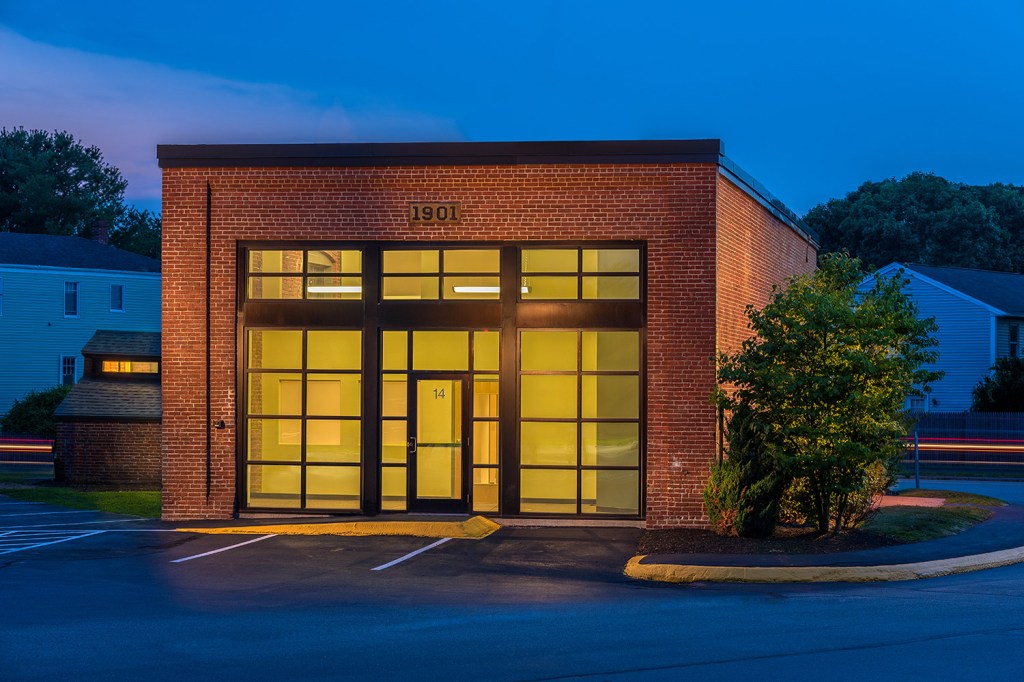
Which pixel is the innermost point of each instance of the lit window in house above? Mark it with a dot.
(130, 367)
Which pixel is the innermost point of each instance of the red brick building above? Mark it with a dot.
(517, 329)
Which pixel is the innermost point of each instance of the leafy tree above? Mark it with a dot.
(826, 376)
(926, 219)
(33, 414)
(51, 183)
(1003, 391)
(137, 231)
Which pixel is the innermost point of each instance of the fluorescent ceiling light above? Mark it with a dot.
(484, 290)
(335, 290)
(477, 290)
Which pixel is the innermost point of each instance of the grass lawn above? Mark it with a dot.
(135, 502)
(34, 483)
(954, 497)
(917, 524)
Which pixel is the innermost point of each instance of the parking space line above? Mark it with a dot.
(410, 555)
(223, 549)
(78, 536)
(75, 523)
(80, 511)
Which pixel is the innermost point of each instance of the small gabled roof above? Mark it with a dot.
(1003, 291)
(113, 400)
(123, 344)
(70, 252)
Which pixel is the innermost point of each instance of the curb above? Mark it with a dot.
(679, 573)
(475, 528)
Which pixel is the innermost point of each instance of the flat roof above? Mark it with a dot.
(349, 154)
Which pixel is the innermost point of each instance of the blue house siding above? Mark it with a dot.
(35, 334)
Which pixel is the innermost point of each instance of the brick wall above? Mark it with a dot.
(755, 250)
(671, 207)
(106, 453)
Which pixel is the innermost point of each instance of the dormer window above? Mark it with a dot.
(130, 367)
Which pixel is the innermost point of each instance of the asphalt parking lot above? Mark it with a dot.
(93, 596)
(511, 565)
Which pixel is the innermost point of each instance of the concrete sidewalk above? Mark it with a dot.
(999, 541)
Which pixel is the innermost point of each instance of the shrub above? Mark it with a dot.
(743, 494)
(33, 414)
(1004, 390)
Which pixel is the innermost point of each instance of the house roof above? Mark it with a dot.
(1001, 290)
(119, 400)
(70, 252)
(127, 344)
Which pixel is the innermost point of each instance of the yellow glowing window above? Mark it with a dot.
(566, 274)
(130, 367)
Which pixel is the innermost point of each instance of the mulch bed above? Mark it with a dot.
(787, 540)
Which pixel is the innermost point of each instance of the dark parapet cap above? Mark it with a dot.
(437, 153)
(112, 343)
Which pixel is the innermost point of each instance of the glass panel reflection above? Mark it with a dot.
(550, 491)
(610, 492)
(332, 487)
(273, 485)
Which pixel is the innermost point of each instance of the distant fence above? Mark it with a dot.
(25, 450)
(968, 444)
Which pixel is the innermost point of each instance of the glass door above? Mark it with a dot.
(438, 444)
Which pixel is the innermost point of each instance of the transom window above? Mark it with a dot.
(449, 274)
(574, 273)
(305, 274)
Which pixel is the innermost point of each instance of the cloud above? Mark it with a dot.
(126, 107)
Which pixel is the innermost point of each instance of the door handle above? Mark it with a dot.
(412, 445)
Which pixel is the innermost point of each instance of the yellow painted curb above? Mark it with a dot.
(475, 528)
(676, 573)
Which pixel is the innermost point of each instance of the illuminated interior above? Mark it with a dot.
(130, 367)
(426, 431)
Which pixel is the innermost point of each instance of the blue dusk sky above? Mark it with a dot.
(811, 98)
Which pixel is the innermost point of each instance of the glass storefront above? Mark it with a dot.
(495, 378)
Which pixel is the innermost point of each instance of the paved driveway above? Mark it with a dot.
(524, 604)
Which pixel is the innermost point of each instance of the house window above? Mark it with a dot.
(68, 369)
(117, 298)
(1014, 338)
(1, 296)
(70, 299)
(130, 367)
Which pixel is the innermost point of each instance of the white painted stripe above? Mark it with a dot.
(84, 534)
(4, 504)
(224, 549)
(81, 511)
(7, 532)
(410, 555)
(76, 523)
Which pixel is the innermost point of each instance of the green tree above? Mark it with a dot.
(33, 414)
(1003, 391)
(51, 183)
(923, 218)
(826, 376)
(137, 231)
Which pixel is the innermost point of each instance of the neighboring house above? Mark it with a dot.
(108, 427)
(980, 315)
(55, 292)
